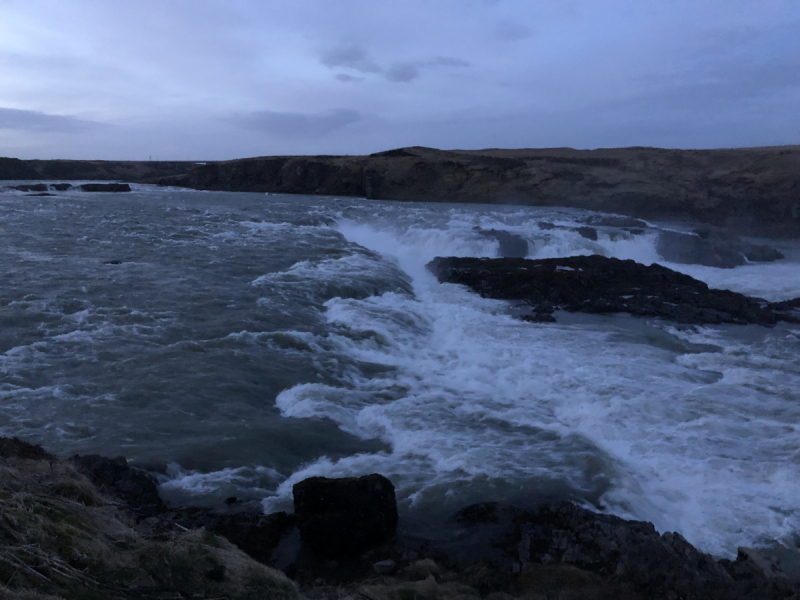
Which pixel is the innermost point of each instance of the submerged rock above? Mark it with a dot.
(511, 244)
(596, 284)
(712, 248)
(105, 187)
(31, 187)
(340, 518)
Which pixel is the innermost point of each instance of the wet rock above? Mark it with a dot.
(630, 551)
(590, 233)
(105, 187)
(138, 489)
(511, 244)
(713, 248)
(599, 285)
(385, 567)
(545, 225)
(34, 187)
(345, 517)
(40, 194)
(60, 187)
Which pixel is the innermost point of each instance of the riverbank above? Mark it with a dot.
(751, 191)
(89, 528)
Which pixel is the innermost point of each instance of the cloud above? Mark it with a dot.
(349, 56)
(297, 124)
(445, 61)
(511, 31)
(32, 120)
(402, 72)
(345, 78)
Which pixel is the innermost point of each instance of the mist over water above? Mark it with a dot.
(238, 343)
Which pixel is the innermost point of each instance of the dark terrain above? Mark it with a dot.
(753, 191)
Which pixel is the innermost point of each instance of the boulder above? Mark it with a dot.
(590, 233)
(105, 187)
(137, 488)
(600, 285)
(342, 518)
(60, 187)
(616, 221)
(511, 244)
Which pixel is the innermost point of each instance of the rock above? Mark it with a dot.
(35, 187)
(545, 225)
(629, 551)
(113, 475)
(590, 233)
(345, 517)
(105, 187)
(385, 567)
(40, 194)
(60, 187)
(712, 248)
(599, 285)
(511, 244)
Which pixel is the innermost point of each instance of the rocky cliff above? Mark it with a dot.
(94, 170)
(752, 190)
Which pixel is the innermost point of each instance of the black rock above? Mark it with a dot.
(342, 518)
(590, 233)
(40, 194)
(137, 488)
(596, 284)
(511, 244)
(545, 225)
(105, 187)
(615, 221)
(61, 187)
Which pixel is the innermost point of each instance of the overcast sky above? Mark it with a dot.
(217, 79)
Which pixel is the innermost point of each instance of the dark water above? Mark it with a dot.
(237, 343)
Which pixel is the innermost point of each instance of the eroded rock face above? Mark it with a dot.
(341, 518)
(596, 284)
(712, 248)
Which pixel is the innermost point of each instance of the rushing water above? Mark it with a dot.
(238, 343)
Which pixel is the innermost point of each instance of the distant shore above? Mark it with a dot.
(752, 191)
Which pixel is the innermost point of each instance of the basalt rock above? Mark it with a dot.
(35, 187)
(60, 187)
(340, 518)
(138, 489)
(600, 285)
(105, 187)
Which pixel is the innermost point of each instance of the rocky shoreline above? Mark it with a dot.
(94, 527)
(751, 191)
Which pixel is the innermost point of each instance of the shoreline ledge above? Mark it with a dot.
(94, 527)
(750, 191)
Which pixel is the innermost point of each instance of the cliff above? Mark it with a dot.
(752, 191)
(92, 170)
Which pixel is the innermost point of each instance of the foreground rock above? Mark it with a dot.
(600, 285)
(345, 517)
(61, 538)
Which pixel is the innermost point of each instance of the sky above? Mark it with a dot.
(221, 79)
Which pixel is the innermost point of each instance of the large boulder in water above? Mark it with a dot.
(596, 284)
(105, 187)
(511, 244)
(342, 518)
(713, 248)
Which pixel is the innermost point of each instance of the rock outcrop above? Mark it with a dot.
(600, 285)
(712, 247)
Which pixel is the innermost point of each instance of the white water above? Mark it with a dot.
(695, 430)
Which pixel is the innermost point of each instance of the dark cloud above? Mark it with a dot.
(297, 124)
(345, 78)
(32, 120)
(350, 56)
(445, 61)
(402, 72)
